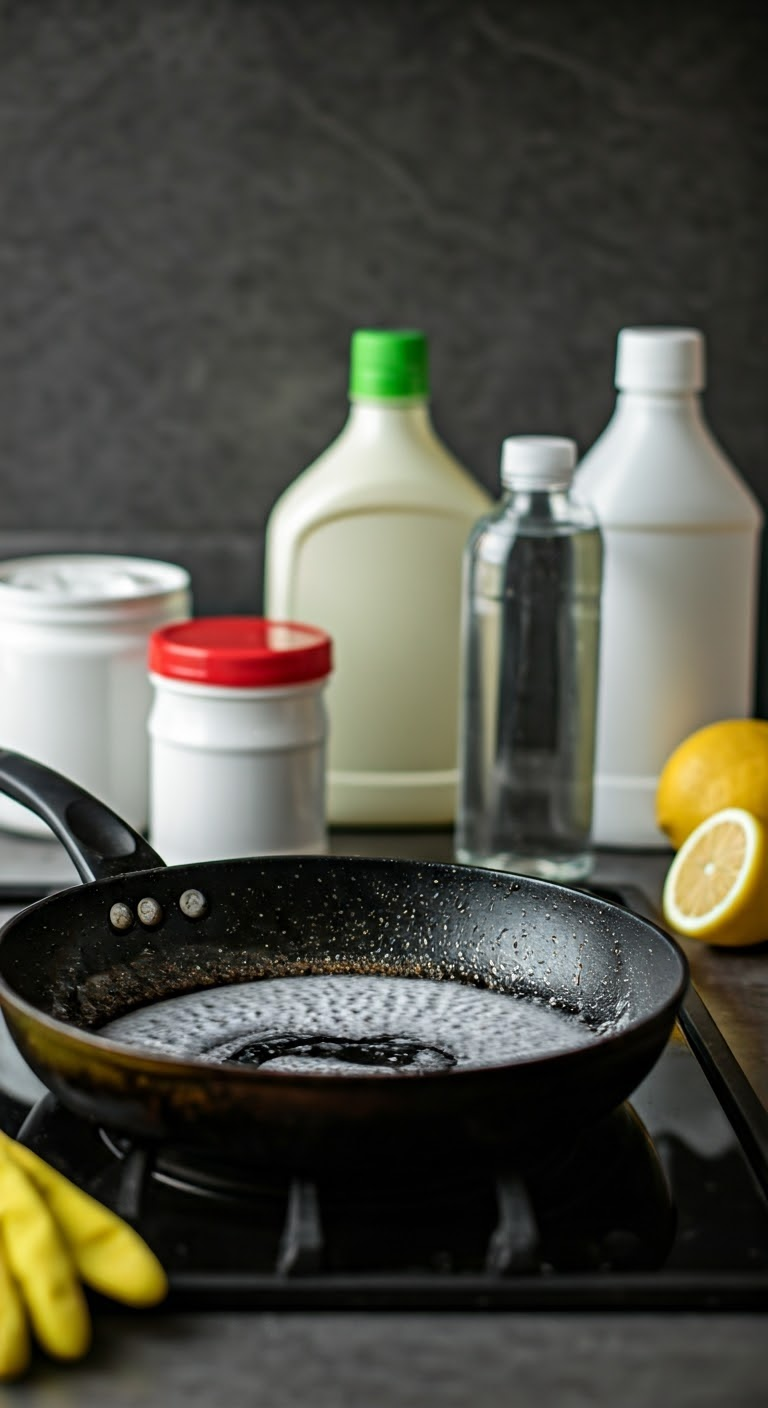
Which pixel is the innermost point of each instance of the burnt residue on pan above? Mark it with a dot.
(445, 927)
(326, 1024)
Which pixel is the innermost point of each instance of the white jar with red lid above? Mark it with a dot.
(237, 738)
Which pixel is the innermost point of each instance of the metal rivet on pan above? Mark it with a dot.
(194, 904)
(121, 916)
(150, 913)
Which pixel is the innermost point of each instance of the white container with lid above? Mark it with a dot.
(238, 732)
(368, 542)
(73, 685)
(681, 534)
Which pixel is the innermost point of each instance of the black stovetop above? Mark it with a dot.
(662, 1204)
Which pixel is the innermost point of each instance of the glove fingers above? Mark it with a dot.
(42, 1267)
(110, 1256)
(14, 1330)
(122, 1266)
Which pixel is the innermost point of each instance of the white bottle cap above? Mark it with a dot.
(537, 462)
(660, 359)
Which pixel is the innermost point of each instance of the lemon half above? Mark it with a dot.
(717, 885)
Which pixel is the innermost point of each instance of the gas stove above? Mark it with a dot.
(662, 1204)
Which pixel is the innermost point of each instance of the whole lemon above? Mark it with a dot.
(722, 765)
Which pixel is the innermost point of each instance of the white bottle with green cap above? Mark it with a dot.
(367, 543)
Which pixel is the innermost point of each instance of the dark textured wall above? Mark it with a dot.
(199, 199)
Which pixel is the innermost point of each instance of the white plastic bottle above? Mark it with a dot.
(681, 535)
(367, 543)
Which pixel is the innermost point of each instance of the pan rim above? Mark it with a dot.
(175, 1068)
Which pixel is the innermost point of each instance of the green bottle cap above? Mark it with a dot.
(386, 364)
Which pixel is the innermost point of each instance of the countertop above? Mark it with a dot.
(394, 1360)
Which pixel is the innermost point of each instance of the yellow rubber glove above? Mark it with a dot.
(52, 1237)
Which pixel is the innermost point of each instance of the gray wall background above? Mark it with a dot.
(200, 199)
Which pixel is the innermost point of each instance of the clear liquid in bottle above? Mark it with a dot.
(530, 644)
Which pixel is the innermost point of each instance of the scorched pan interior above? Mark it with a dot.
(66, 969)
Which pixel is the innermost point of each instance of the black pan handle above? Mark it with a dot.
(99, 842)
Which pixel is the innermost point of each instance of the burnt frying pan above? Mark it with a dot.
(140, 933)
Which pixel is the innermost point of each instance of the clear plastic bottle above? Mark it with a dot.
(530, 639)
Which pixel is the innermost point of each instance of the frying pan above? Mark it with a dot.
(65, 970)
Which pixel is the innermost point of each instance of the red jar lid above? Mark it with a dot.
(244, 651)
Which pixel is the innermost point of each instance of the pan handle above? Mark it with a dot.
(99, 842)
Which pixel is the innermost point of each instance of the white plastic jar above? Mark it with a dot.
(73, 682)
(237, 738)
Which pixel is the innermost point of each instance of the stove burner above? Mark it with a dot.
(599, 1202)
(289, 1052)
(613, 1218)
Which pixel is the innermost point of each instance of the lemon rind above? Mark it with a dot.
(728, 908)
